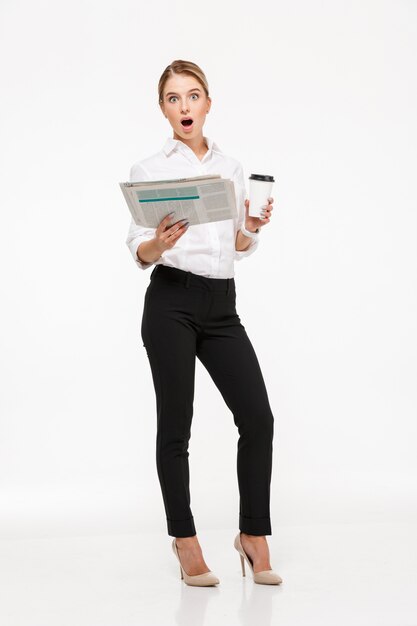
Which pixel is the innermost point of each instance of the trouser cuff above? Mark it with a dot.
(181, 527)
(255, 525)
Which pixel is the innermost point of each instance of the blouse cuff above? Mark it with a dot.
(239, 254)
(133, 246)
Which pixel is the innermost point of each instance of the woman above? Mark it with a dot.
(190, 310)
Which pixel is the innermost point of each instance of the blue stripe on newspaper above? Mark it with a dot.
(166, 199)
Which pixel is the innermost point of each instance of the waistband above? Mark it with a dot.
(189, 279)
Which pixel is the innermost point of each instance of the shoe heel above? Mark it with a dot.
(242, 563)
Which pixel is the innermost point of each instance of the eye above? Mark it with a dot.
(194, 94)
(170, 99)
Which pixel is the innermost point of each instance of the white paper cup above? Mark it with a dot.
(260, 189)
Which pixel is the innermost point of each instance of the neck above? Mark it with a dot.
(197, 144)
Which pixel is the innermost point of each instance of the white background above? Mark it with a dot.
(320, 94)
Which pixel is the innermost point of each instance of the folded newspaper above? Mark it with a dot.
(200, 199)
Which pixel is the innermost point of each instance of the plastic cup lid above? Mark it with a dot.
(263, 177)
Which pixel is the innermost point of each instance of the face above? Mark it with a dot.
(185, 97)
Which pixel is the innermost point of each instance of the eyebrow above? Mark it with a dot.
(171, 93)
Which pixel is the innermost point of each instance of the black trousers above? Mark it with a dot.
(187, 315)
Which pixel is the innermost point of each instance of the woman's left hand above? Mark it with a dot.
(252, 223)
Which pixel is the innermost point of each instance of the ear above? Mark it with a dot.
(161, 106)
(209, 103)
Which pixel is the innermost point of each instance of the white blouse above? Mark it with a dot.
(205, 249)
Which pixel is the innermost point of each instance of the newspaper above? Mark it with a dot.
(200, 199)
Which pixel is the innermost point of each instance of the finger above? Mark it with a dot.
(266, 213)
(183, 228)
(178, 233)
(164, 223)
(177, 227)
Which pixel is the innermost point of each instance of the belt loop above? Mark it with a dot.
(228, 286)
(187, 280)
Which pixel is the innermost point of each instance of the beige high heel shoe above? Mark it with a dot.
(266, 577)
(199, 580)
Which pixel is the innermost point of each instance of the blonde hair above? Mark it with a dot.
(182, 67)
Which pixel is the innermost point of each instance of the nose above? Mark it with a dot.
(184, 107)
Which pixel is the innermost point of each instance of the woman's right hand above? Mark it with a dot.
(166, 236)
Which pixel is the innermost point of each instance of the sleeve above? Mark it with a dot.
(137, 233)
(241, 195)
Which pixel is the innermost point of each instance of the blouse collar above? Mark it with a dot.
(176, 144)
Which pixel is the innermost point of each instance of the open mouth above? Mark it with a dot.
(187, 122)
